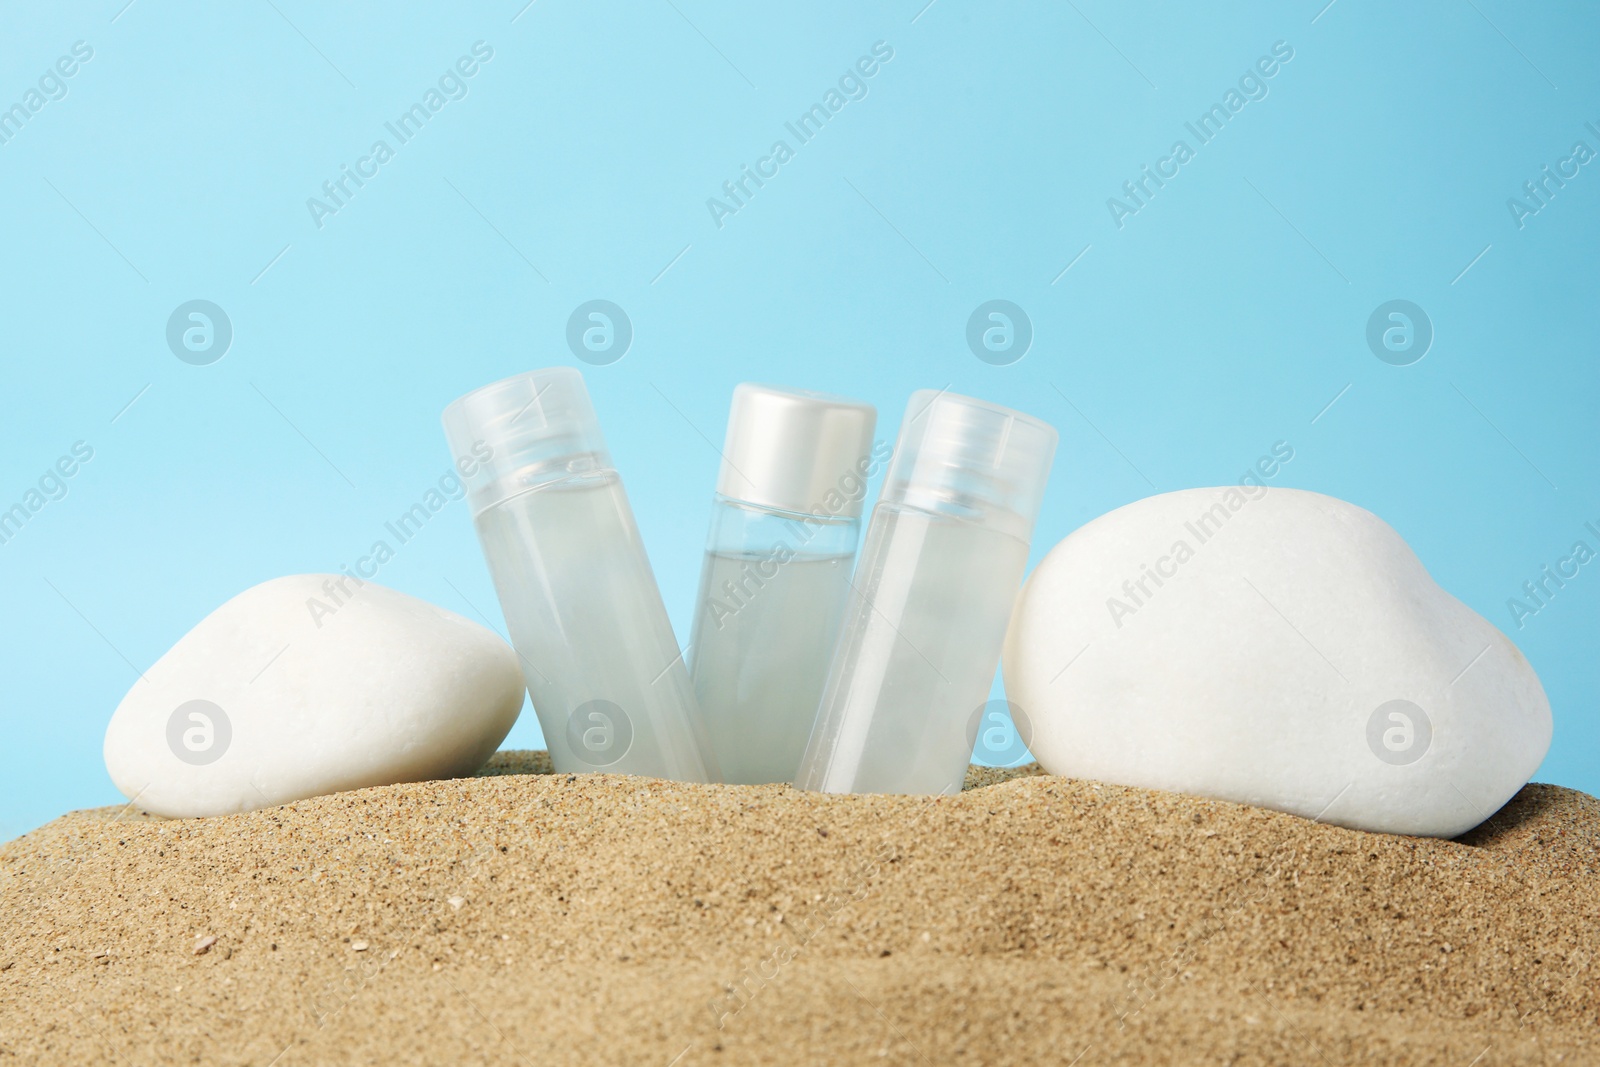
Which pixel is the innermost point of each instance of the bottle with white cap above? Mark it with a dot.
(784, 525)
(931, 599)
(586, 617)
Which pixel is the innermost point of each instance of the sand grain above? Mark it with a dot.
(536, 918)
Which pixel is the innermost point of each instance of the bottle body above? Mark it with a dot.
(931, 599)
(586, 617)
(773, 590)
(918, 653)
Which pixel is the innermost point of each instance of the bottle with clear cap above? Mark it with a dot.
(784, 524)
(943, 559)
(586, 618)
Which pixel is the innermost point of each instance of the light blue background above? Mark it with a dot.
(1223, 317)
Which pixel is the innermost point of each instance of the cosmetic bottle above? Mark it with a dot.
(785, 520)
(586, 618)
(929, 604)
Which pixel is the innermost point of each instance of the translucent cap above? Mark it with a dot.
(792, 449)
(522, 432)
(965, 456)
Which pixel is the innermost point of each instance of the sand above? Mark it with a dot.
(534, 918)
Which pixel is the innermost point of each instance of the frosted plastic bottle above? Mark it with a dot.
(784, 524)
(932, 595)
(586, 617)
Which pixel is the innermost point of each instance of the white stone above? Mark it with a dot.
(304, 688)
(1261, 668)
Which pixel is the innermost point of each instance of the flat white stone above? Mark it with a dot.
(1272, 647)
(296, 688)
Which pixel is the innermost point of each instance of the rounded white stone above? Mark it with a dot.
(1272, 647)
(298, 687)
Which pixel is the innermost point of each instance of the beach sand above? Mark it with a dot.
(533, 918)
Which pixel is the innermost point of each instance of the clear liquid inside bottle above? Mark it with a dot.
(773, 590)
(922, 636)
(603, 668)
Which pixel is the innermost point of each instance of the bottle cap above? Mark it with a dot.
(796, 450)
(521, 432)
(964, 456)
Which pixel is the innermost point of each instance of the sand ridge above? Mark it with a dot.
(528, 917)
